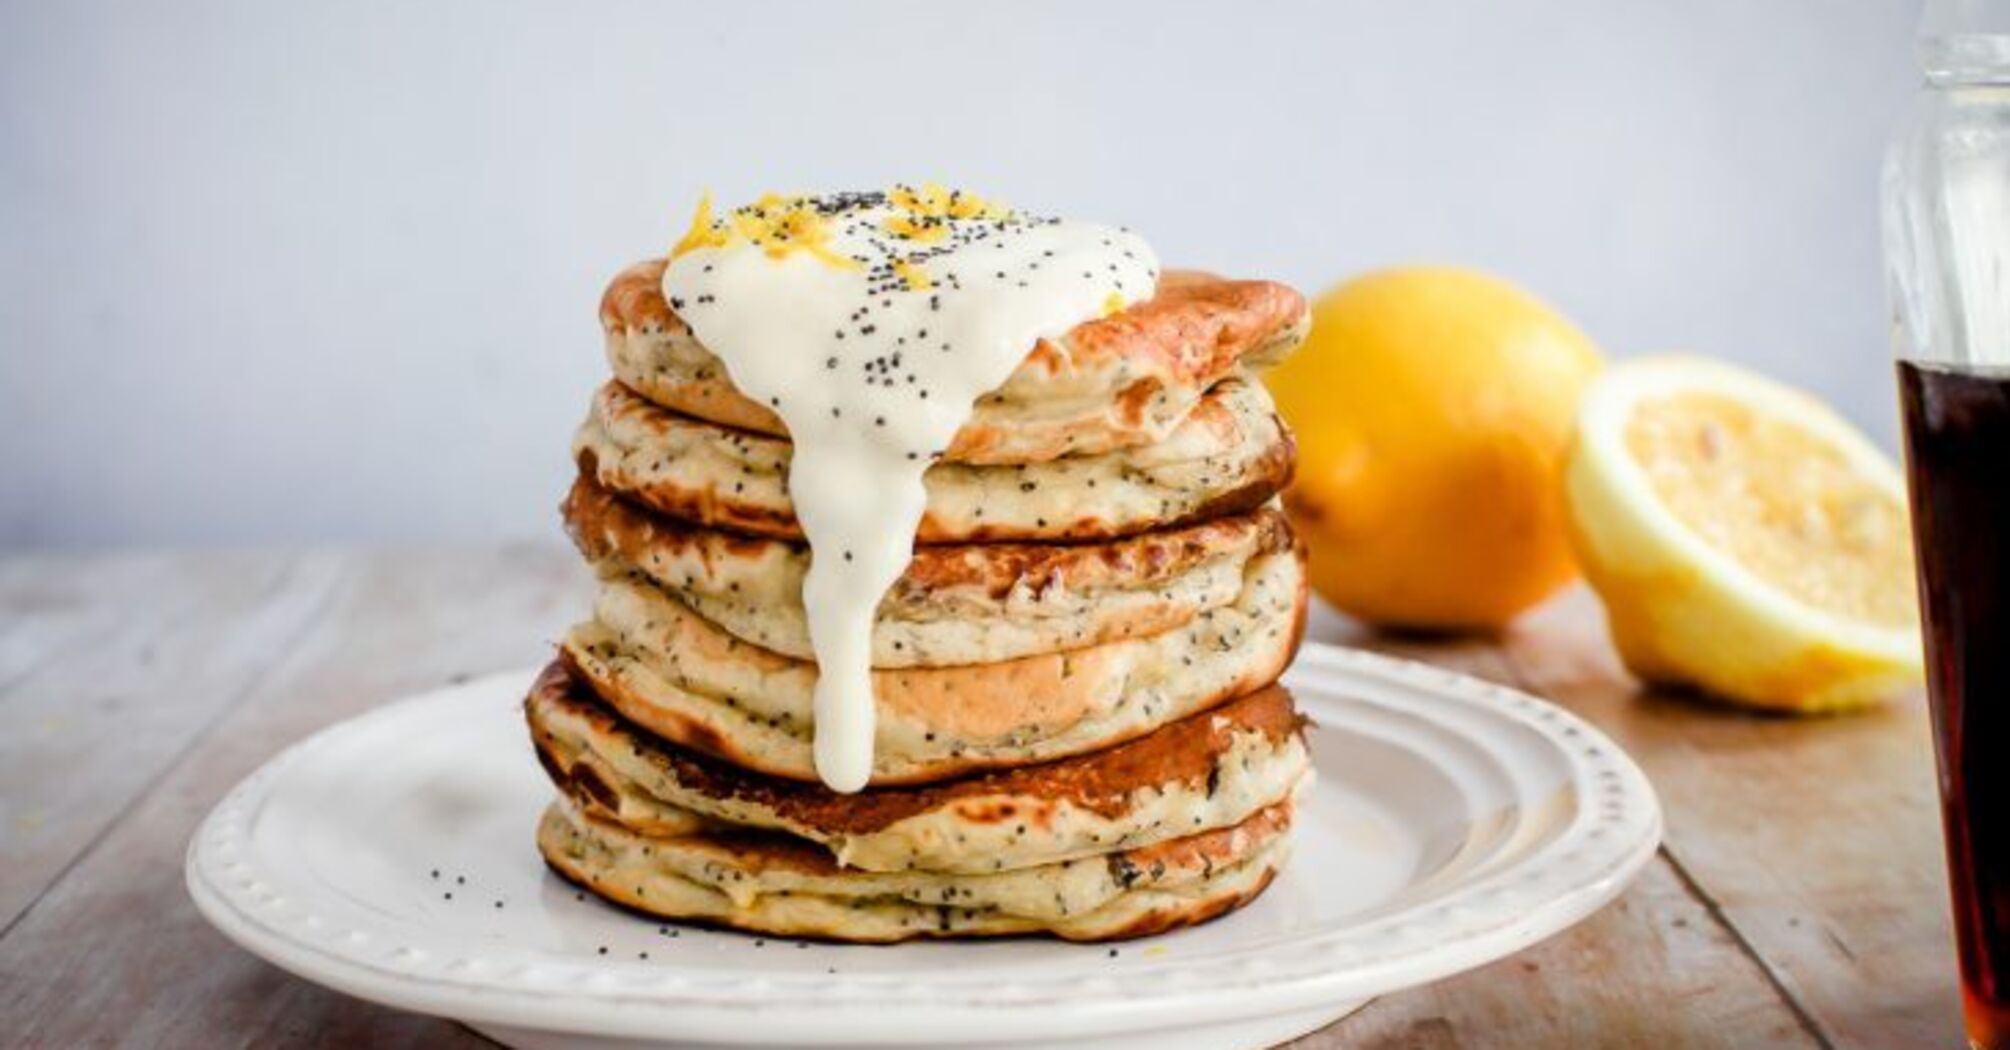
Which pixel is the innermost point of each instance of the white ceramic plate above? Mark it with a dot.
(391, 857)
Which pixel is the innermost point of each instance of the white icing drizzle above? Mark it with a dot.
(871, 324)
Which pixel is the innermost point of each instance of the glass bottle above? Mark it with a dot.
(1947, 247)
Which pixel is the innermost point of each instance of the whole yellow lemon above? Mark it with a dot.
(1433, 408)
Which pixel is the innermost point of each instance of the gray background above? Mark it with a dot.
(274, 272)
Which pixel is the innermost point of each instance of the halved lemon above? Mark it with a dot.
(1743, 537)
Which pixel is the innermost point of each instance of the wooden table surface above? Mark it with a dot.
(1798, 900)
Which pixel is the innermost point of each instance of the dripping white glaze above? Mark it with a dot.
(871, 323)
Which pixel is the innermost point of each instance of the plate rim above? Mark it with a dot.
(1530, 901)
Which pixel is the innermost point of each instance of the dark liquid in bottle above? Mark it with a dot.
(1957, 430)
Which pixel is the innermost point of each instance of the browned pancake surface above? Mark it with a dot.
(1195, 330)
(720, 477)
(1102, 782)
(603, 525)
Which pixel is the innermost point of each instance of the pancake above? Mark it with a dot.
(1117, 382)
(678, 675)
(767, 883)
(1212, 770)
(960, 604)
(1228, 456)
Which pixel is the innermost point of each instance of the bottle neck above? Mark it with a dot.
(1964, 42)
(1966, 59)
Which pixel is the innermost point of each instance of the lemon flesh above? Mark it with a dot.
(1744, 538)
(1782, 502)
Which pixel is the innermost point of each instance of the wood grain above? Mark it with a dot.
(1653, 970)
(109, 669)
(116, 953)
(1818, 840)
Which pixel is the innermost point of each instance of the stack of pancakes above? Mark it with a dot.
(1078, 731)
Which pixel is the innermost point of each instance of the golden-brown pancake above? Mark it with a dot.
(1229, 455)
(680, 676)
(956, 604)
(1212, 770)
(763, 882)
(1117, 382)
